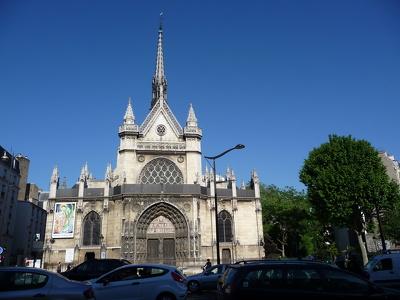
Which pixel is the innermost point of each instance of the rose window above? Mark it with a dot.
(161, 170)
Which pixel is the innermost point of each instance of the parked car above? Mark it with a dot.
(29, 283)
(206, 280)
(297, 280)
(141, 281)
(384, 269)
(94, 268)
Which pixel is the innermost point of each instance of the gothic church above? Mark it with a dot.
(157, 205)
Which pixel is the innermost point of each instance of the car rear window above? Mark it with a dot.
(13, 281)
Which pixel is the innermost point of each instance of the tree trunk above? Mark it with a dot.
(362, 247)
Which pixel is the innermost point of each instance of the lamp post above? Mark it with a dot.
(238, 146)
(12, 166)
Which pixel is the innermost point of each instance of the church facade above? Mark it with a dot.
(156, 205)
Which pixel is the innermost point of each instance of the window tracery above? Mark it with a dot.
(91, 229)
(161, 170)
(225, 227)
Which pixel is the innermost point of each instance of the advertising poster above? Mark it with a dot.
(64, 220)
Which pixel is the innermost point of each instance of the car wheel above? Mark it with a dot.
(166, 296)
(193, 286)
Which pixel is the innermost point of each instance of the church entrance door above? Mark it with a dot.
(161, 251)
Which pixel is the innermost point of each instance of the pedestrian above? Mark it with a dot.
(353, 265)
(69, 267)
(59, 267)
(310, 257)
(207, 265)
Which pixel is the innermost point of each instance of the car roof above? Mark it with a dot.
(25, 269)
(282, 262)
(149, 265)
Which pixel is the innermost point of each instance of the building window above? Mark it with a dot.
(225, 227)
(91, 229)
(161, 170)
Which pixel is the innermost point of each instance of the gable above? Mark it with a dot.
(161, 123)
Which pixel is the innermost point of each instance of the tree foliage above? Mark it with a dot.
(346, 181)
(288, 222)
(391, 224)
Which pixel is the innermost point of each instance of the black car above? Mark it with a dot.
(94, 268)
(296, 280)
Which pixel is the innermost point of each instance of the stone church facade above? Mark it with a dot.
(156, 205)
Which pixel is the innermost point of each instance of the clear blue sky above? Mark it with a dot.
(276, 76)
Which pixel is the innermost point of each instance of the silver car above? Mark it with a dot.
(141, 281)
(29, 283)
(206, 280)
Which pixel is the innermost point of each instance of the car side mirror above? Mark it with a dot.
(365, 275)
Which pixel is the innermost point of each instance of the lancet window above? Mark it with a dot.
(225, 226)
(91, 229)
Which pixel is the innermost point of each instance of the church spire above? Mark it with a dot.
(191, 119)
(129, 117)
(159, 83)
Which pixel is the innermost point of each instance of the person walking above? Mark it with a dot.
(207, 265)
(59, 267)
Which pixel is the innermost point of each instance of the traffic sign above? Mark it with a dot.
(1, 250)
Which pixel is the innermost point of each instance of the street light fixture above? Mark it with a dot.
(238, 146)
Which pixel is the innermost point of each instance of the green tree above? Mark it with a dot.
(286, 213)
(391, 224)
(346, 181)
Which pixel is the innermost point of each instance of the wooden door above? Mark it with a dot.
(169, 252)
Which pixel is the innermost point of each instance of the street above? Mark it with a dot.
(203, 295)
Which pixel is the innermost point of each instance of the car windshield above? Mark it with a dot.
(370, 264)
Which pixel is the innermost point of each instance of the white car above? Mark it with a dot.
(30, 283)
(141, 281)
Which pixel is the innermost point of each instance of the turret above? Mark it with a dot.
(54, 182)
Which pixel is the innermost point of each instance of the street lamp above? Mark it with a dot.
(238, 146)
(13, 158)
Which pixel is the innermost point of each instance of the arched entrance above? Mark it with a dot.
(162, 235)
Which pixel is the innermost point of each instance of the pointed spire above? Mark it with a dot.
(84, 173)
(129, 117)
(159, 83)
(54, 176)
(64, 183)
(109, 175)
(191, 119)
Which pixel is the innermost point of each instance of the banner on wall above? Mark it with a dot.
(64, 220)
(69, 255)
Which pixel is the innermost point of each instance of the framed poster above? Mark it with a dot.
(64, 220)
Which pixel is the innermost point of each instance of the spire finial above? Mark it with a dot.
(161, 19)
(159, 82)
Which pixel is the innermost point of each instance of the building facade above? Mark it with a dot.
(22, 225)
(10, 177)
(156, 205)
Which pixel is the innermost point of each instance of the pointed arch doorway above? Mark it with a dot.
(162, 230)
(161, 241)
